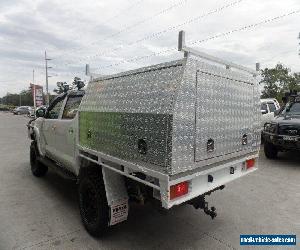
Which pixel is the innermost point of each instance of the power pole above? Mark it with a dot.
(257, 66)
(47, 76)
(299, 44)
(33, 85)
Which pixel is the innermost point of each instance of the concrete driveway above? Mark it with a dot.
(43, 213)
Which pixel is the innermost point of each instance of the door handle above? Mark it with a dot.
(71, 131)
(53, 127)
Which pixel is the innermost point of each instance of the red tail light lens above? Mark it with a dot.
(250, 163)
(179, 189)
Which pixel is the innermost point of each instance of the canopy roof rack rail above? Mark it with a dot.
(187, 50)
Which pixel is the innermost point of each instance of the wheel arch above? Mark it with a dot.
(114, 183)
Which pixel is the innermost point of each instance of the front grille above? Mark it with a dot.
(290, 130)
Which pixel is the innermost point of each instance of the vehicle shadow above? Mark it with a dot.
(147, 227)
(290, 158)
(62, 188)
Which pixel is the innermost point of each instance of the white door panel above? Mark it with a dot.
(49, 128)
(66, 132)
(65, 135)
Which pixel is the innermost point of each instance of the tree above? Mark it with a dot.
(61, 87)
(64, 87)
(78, 83)
(277, 81)
(294, 83)
(26, 98)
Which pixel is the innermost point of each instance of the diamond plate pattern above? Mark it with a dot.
(175, 108)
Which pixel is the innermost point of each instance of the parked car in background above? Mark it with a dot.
(283, 132)
(268, 107)
(22, 110)
(31, 112)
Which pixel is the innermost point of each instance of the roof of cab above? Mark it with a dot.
(268, 100)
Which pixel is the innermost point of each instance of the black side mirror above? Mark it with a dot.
(276, 112)
(40, 113)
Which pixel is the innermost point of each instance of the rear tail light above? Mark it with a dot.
(179, 189)
(250, 163)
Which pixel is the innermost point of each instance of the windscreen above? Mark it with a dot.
(292, 109)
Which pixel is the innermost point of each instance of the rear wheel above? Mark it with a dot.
(271, 150)
(94, 209)
(37, 168)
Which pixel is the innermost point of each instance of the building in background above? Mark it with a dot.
(37, 94)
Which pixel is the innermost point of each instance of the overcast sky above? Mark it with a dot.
(109, 34)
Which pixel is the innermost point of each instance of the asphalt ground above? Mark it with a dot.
(42, 213)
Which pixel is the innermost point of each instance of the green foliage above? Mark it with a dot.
(64, 87)
(61, 87)
(24, 99)
(6, 107)
(78, 83)
(279, 80)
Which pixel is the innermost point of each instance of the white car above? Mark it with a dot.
(268, 107)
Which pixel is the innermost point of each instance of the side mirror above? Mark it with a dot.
(263, 112)
(40, 113)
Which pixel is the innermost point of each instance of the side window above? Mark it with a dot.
(263, 106)
(272, 106)
(71, 107)
(53, 112)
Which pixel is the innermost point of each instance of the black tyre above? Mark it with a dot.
(271, 150)
(37, 168)
(94, 209)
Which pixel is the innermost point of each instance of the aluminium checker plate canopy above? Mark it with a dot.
(175, 116)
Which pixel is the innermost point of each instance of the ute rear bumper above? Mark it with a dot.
(204, 181)
(200, 181)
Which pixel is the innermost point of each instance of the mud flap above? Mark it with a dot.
(116, 195)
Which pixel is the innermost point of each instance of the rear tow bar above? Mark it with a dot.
(199, 202)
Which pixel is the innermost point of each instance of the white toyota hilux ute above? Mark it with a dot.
(170, 133)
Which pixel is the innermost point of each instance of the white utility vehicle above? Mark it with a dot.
(173, 133)
(268, 106)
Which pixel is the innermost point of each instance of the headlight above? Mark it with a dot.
(270, 128)
(266, 126)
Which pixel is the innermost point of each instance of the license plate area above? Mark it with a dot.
(118, 212)
(290, 138)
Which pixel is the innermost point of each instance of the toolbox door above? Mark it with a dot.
(224, 116)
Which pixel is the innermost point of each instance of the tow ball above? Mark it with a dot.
(199, 202)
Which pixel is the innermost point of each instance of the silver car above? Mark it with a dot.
(21, 110)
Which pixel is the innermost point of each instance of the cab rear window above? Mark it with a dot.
(71, 107)
(272, 106)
